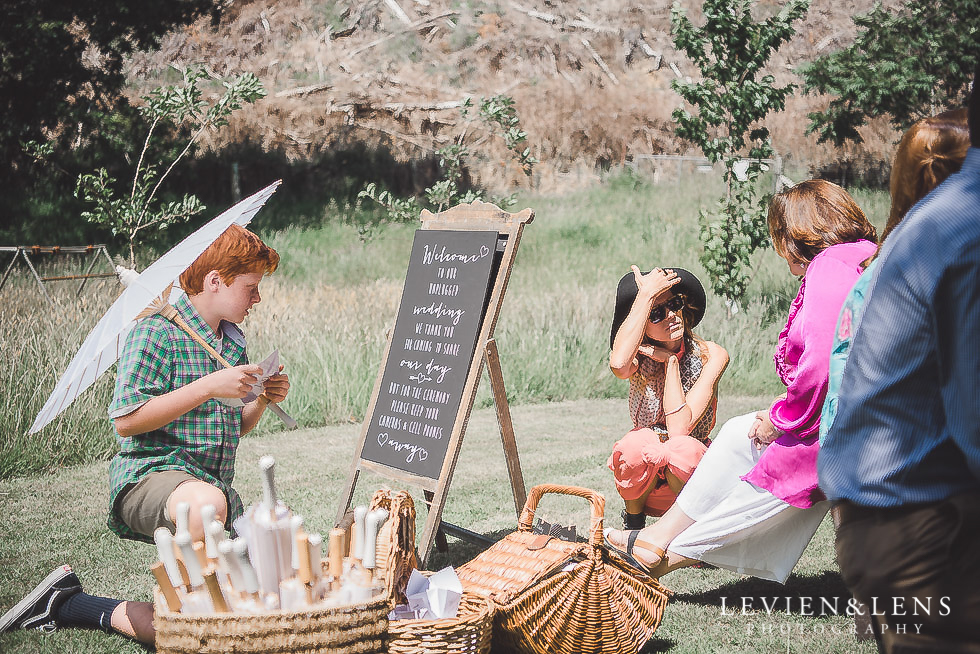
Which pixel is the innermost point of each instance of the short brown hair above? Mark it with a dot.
(809, 217)
(236, 252)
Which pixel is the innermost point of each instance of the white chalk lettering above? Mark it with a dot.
(440, 255)
(398, 406)
(439, 397)
(432, 368)
(437, 288)
(414, 451)
(440, 311)
(432, 431)
(390, 422)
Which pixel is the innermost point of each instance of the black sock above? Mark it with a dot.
(634, 520)
(84, 611)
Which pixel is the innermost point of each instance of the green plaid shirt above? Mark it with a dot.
(157, 358)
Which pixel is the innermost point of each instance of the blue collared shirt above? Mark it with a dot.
(908, 416)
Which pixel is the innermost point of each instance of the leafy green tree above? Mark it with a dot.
(139, 208)
(62, 63)
(732, 98)
(907, 65)
(499, 114)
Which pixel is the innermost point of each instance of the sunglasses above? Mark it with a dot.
(659, 312)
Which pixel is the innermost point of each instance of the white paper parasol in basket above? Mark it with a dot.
(268, 533)
(102, 346)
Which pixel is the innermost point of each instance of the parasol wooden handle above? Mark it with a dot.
(336, 559)
(169, 593)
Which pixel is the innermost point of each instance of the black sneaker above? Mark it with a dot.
(38, 609)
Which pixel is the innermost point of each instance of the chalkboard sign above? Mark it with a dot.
(432, 347)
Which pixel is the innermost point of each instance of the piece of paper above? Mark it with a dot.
(444, 593)
(431, 598)
(270, 366)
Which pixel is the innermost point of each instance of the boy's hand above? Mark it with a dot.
(277, 387)
(234, 382)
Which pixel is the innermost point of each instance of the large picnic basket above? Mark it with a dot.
(558, 596)
(468, 633)
(360, 628)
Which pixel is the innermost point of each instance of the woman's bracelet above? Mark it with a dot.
(670, 413)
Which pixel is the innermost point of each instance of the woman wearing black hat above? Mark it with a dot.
(754, 502)
(673, 387)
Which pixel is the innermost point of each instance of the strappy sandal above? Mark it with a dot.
(632, 542)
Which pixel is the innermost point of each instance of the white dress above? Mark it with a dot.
(740, 526)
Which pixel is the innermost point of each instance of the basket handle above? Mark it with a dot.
(597, 501)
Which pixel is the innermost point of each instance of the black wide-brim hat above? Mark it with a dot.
(689, 286)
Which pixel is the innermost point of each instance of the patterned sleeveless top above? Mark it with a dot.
(647, 389)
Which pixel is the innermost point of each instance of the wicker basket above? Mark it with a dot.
(557, 596)
(396, 557)
(468, 633)
(351, 629)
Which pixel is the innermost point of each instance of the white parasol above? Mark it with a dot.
(103, 344)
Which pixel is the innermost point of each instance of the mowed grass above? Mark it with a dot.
(59, 517)
(328, 310)
(330, 305)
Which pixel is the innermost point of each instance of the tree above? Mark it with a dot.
(907, 65)
(62, 64)
(500, 116)
(180, 106)
(730, 50)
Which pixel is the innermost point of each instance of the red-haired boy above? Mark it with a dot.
(177, 441)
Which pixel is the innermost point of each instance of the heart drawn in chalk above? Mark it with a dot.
(382, 438)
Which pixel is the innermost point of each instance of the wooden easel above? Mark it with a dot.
(476, 216)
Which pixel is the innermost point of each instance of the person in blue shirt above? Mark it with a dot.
(930, 151)
(902, 459)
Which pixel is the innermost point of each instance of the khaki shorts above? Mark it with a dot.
(143, 506)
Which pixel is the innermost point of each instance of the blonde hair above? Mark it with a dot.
(929, 152)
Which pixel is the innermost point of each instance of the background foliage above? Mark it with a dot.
(906, 64)
(61, 83)
(63, 61)
(732, 100)
(135, 207)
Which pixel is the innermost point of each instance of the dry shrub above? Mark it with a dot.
(578, 119)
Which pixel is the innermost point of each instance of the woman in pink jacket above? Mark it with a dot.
(753, 504)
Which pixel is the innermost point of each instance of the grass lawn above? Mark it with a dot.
(60, 517)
